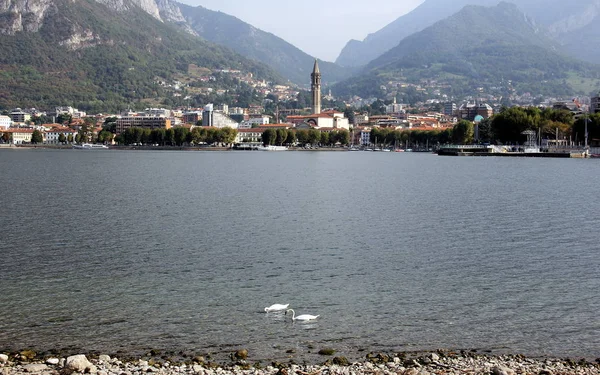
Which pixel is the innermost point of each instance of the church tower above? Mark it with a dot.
(316, 89)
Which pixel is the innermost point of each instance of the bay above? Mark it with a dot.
(125, 251)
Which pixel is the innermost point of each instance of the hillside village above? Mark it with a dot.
(355, 119)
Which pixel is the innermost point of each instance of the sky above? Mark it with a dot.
(320, 28)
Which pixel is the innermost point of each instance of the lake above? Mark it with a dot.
(126, 251)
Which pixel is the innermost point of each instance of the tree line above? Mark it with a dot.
(290, 137)
(177, 136)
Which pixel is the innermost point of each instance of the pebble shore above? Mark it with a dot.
(440, 362)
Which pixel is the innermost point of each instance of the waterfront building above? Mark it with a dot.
(52, 136)
(19, 135)
(5, 122)
(316, 89)
(144, 122)
(250, 135)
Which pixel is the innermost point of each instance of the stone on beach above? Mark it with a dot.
(53, 361)
(3, 358)
(80, 363)
(35, 367)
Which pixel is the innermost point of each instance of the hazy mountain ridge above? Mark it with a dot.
(476, 47)
(562, 22)
(249, 41)
(83, 53)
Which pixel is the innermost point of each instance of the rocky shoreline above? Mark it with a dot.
(440, 362)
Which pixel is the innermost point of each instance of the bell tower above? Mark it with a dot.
(316, 89)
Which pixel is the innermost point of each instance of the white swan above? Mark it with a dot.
(276, 307)
(303, 317)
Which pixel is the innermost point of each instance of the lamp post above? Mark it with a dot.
(586, 130)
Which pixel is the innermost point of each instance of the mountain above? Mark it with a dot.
(99, 55)
(574, 25)
(478, 48)
(223, 29)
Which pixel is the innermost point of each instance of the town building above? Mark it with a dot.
(158, 112)
(450, 109)
(67, 110)
(394, 107)
(595, 104)
(217, 119)
(5, 122)
(52, 136)
(19, 116)
(144, 122)
(191, 117)
(19, 135)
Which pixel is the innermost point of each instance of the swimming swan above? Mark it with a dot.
(276, 307)
(303, 317)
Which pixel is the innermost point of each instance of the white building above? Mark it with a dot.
(365, 137)
(157, 112)
(67, 110)
(19, 135)
(210, 117)
(5, 122)
(52, 136)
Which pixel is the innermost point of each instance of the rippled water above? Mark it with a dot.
(124, 251)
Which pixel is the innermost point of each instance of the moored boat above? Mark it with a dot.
(272, 148)
(90, 146)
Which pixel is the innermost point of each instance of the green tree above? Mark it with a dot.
(291, 137)
(70, 138)
(486, 134)
(37, 137)
(228, 135)
(170, 137)
(302, 136)
(180, 135)
(344, 137)
(281, 136)
(269, 137)
(510, 123)
(349, 114)
(6, 137)
(325, 139)
(62, 138)
(314, 136)
(64, 118)
(462, 133)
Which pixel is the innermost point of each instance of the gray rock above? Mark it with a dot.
(80, 363)
(35, 367)
(434, 357)
(104, 358)
(3, 358)
(53, 361)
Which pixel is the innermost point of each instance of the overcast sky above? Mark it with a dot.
(320, 28)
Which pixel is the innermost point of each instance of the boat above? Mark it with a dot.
(90, 146)
(272, 148)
